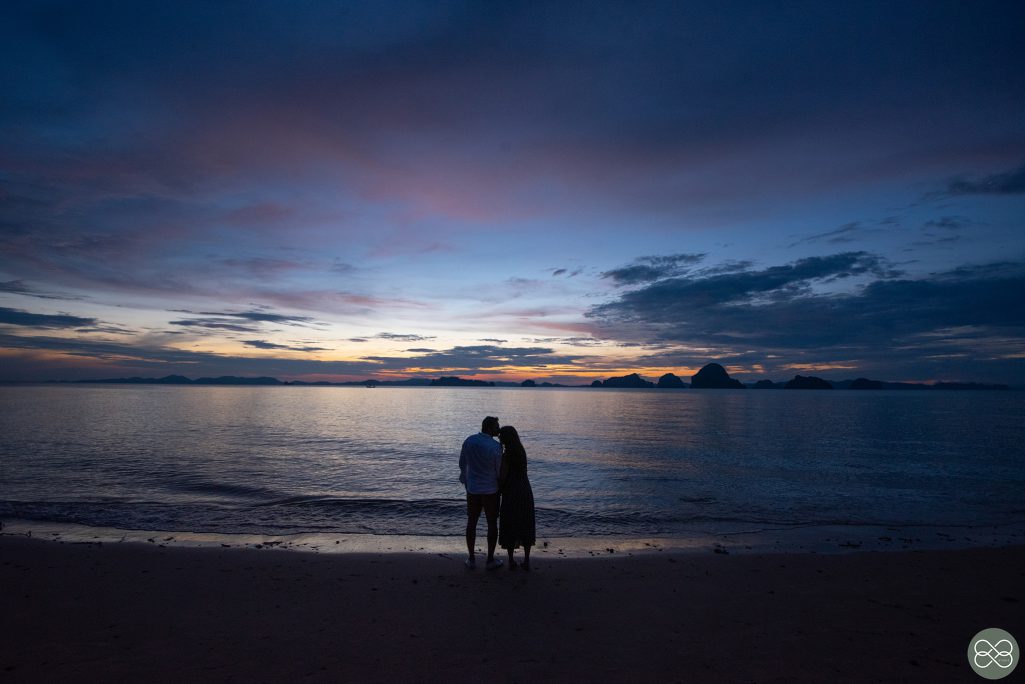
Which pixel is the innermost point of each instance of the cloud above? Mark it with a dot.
(230, 320)
(397, 337)
(260, 344)
(475, 359)
(951, 223)
(845, 233)
(102, 358)
(21, 287)
(215, 324)
(263, 317)
(35, 320)
(566, 272)
(15, 286)
(682, 296)
(650, 268)
(493, 340)
(1007, 183)
(571, 341)
(779, 311)
(46, 358)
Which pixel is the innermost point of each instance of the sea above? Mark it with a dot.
(606, 465)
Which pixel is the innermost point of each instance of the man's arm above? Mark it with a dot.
(462, 464)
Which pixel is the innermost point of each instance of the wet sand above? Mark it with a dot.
(138, 612)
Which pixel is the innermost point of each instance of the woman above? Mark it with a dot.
(516, 514)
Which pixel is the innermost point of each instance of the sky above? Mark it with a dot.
(556, 191)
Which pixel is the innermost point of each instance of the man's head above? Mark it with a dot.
(489, 426)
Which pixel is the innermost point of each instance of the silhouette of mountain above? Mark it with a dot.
(807, 382)
(632, 380)
(714, 376)
(460, 382)
(670, 381)
(169, 380)
(968, 386)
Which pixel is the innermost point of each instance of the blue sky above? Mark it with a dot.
(551, 191)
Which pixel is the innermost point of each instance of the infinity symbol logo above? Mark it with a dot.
(998, 654)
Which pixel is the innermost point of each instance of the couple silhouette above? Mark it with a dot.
(495, 477)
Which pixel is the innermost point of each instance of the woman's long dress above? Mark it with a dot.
(516, 515)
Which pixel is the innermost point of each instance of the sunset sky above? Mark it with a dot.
(557, 191)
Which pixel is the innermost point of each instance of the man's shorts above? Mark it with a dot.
(486, 502)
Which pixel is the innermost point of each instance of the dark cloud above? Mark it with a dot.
(260, 344)
(35, 320)
(934, 242)
(724, 267)
(397, 337)
(776, 311)
(1008, 183)
(493, 340)
(109, 329)
(15, 286)
(570, 341)
(672, 297)
(853, 231)
(951, 223)
(650, 268)
(240, 321)
(848, 232)
(262, 317)
(22, 288)
(476, 358)
(215, 324)
(558, 272)
(100, 358)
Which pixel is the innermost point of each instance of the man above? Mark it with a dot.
(480, 463)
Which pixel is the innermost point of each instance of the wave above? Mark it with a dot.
(428, 517)
(191, 485)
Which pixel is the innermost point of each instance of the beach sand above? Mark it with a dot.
(137, 612)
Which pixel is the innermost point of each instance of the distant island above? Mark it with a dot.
(714, 376)
(459, 382)
(266, 381)
(711, 376)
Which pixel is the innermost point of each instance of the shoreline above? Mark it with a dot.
(136, 611)
(796, 539)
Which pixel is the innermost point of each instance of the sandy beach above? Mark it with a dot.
(136, 612)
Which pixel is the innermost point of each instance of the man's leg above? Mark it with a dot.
(474, 503)
(491, 513)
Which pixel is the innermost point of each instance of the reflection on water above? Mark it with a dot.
(286, 459)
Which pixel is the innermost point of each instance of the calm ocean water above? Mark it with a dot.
(282, 460)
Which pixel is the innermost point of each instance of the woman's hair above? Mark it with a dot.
(510, 438)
